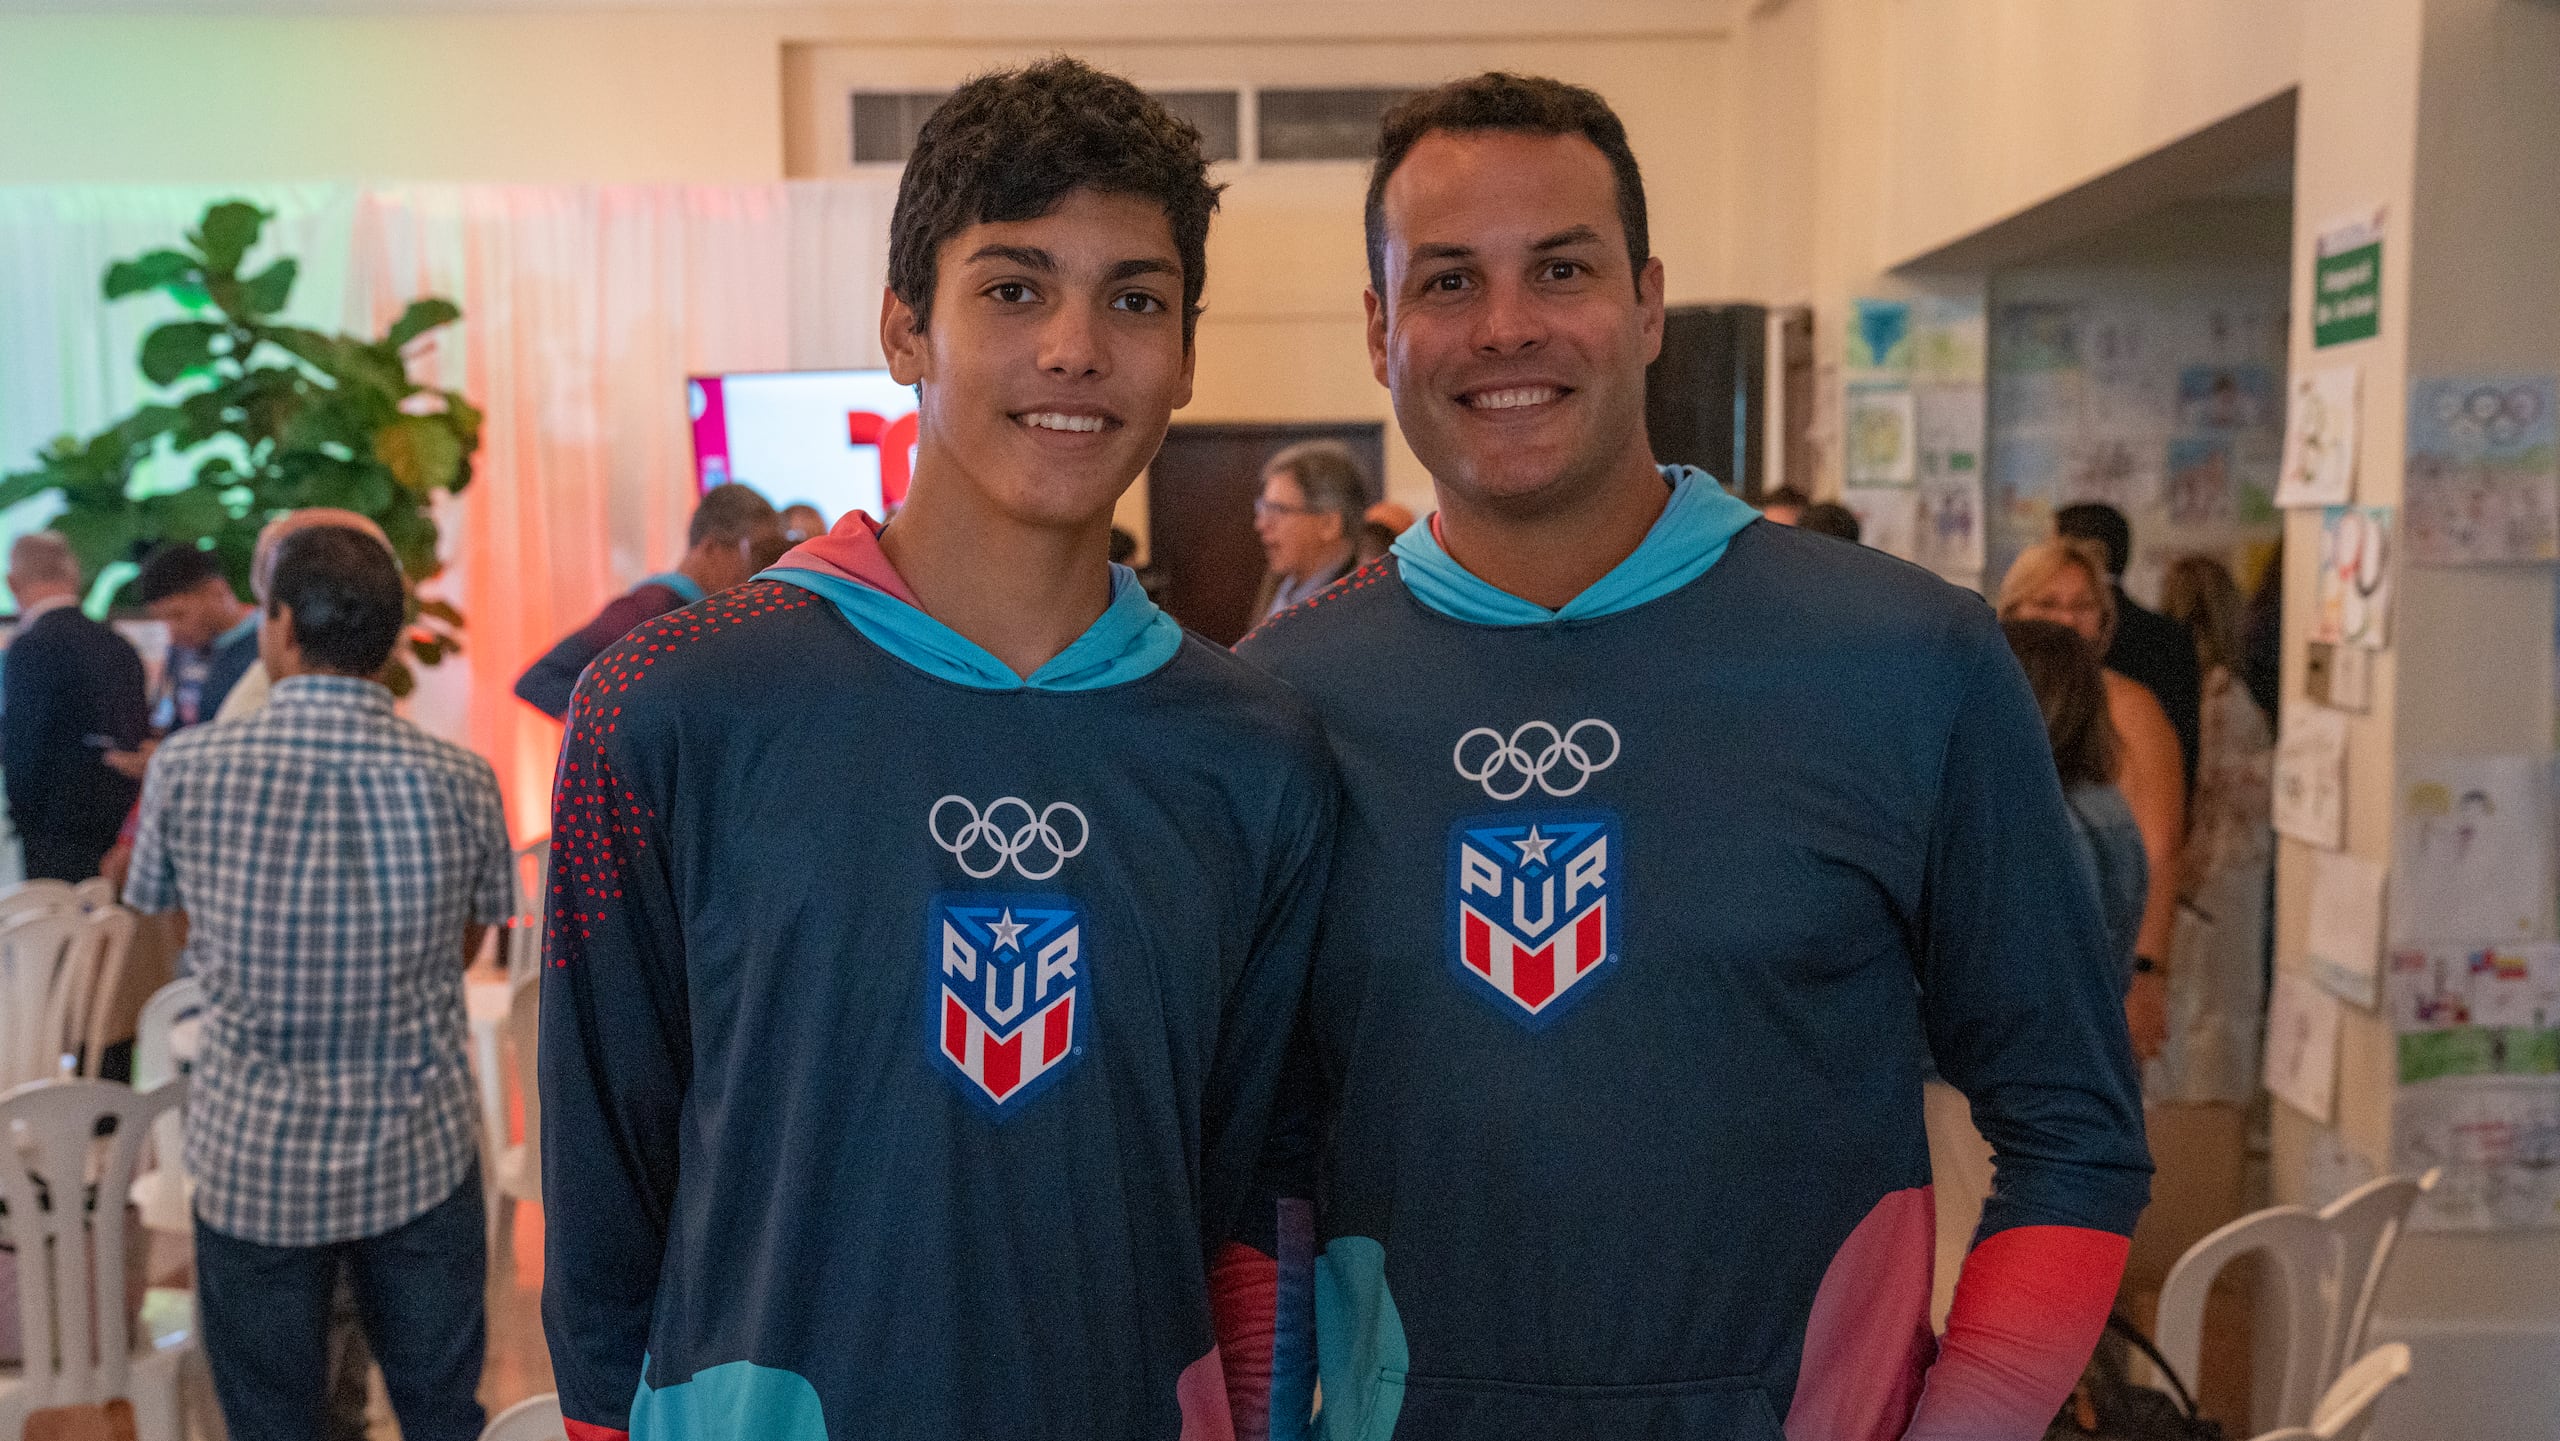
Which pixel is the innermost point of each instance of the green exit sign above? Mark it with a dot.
(2346, 284)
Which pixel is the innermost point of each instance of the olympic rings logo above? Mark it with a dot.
(1506, 766)
(987, 843)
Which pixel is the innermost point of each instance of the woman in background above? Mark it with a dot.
(2065, 581)
(2071, 690)
(2217, 987)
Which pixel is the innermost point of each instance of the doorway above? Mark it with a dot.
(1200, 495)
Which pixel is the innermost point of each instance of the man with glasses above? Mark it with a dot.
(1308, 518)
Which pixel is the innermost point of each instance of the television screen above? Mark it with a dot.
(839, 439)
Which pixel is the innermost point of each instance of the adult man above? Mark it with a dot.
(1308, 517)
(2148, 646)
(70, 695)
(734, 534)
(1786, 505)
(929, 914)
(1669, 842)
(213, 637)
(248, 696)
(337, 869)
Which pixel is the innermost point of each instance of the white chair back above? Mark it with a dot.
(71, 1282)
(85, 985)
(536, 1418)
(2345, 1413)
(524, 929)
(33, 948)
(161, 1191)
(2328, 1265)
(524, 1039)
(94, 892)
(36, 895)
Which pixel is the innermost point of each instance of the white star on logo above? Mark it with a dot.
(1533, 847)
(1008, 932)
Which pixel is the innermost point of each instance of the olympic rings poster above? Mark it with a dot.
(2484, 470)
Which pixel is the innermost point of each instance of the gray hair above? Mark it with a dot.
(1332, 478)
(44, 556)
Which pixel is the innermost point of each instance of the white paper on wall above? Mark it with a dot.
(2302, 1045)
(2471, 851)
(2310, 777)
(2497, 1139)
(2321, 422)
(2346, 926)
(2352, 602)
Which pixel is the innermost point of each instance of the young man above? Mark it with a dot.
(336, 868)
(1672, 845)
(213, 636)
(734, 534)
(928, 916)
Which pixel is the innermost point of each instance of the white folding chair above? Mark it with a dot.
(536, 1418)
(85, 984)
(36, 895)
(524, 929)
(164, 1192)
(517, 1174)
(81, 1348)
(2346, 1411)
(94, 892)
(33, 947)
(2329, 1265)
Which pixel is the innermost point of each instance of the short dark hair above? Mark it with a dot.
(1527, 104)
(729, 514)
(1830, 517)
(175, 569)
(2062, 669)
(1785, 495)
(347, 599)
(1010, 145)
(2103, 523)
(1331, 477)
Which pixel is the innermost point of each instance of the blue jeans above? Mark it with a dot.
(420, 1292)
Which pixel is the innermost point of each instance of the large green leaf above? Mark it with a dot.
(27, 485)
(187, 515)
(266, 293)
(176, 348)
(226, 233)
(150, 423)
(421, 317)
(319, 351)
(421, 450)
(99, 535)
(150, 272)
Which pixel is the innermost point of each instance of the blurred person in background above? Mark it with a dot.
(1314, 499)
(249, 695)
(802, 521)
(1379, 528)
(1785, 505)
(734, 534)
(2145, 646)
(2065, 581)
(213, 634)
(71, 693)
(2217, 987)
(1829, 517)
(2071, 691)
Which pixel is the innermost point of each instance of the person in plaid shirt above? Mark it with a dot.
(336, 868)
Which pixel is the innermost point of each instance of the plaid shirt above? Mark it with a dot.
(328, 855)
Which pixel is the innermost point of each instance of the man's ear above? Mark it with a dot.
(1649, 301)
(909, 351)
(1377, 315)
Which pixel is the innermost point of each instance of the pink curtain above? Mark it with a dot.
(584, 309)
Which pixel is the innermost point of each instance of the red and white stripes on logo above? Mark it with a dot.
(1001, 1065)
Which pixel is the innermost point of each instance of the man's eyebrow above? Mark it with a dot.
(1578, 235)
(1029, 257)
(1441, 250)
(1131, 269)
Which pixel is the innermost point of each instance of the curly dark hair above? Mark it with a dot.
(1528, 104)
(1010, 145)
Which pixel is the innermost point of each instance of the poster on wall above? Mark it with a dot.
(2302, 1045)
(2484, 470)
(1879, 340)
(1883, 440)
(2346, 281)
(2311, 777)
(2345, 944)
(2471, 850)
(2497, 1140)
(1950, 339)
(2320, 438)
(2352, 602)
(1888, 516)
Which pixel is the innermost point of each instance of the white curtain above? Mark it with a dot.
(584, 308)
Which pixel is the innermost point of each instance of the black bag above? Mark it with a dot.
(2110, 1405)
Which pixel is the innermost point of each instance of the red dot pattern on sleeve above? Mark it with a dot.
(598, 821)
(1361, 579)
